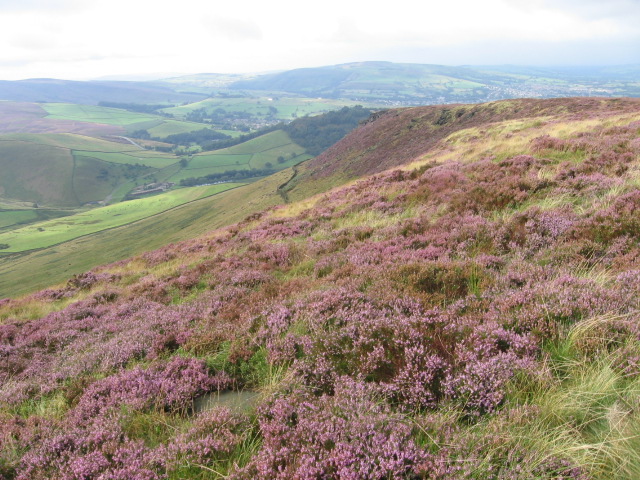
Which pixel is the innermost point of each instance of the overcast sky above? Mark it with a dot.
(82, 39)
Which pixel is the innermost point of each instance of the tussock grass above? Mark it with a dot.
(586, 403)
(595, 271)
(294, 209)
(373, 219)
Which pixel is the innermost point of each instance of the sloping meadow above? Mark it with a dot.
(474, 316)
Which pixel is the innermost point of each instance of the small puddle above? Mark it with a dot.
(242, 401)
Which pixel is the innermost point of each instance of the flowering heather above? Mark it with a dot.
(408, 325)
(348, 435)
(172, 386)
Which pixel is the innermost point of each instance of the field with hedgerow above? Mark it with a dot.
(469, 309)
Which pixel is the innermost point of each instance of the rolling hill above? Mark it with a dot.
(415, 84)
(465, 309)
(92, 92)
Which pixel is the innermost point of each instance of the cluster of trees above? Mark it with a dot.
(315, 134)
(225, 119)
(227, 175)
(318, 133)
(199, 137)
(142, 133)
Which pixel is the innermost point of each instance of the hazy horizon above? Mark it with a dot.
(88, 39)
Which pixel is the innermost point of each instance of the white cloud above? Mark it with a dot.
(89, 38)
(234, 29)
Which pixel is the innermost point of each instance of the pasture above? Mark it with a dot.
(53, 232)
(70, 141)
(173, 127)
(157, 126)
(69, 170)
(13, 217)
(261, 152)
(159, 160)
(36, 173)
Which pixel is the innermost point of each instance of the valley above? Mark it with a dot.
(73, 173)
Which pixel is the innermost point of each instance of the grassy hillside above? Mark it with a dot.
(36, 173)
(278, 107)
(403, 136)
(259, 153)
(70, 170)
(52, 232)
(157, 126)
(18, 117)
(473, 314)
(24, 273)
(105, 169)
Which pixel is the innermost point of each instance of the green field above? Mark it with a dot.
(256, 153)
(53, 232)
(26, 272)
(70, 170)
(14, 217)
(94, 114)
(70, 141)
(157, 126)
(36, 173)
(221, 158)
(172, 127)
(130, 158)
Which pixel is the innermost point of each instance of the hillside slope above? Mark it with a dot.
(473, 314)
(401, 136)
(20, 274)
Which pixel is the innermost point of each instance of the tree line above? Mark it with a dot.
(227, 175)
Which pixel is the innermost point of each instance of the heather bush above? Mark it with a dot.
(172, 386)
(545, 309)
(89, 336)
(348, 435)
(212, 439)
(99, 451)
(621, 219)
(415, 358)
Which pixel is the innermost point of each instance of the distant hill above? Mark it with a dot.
(392, 83)
(427, 84)
(91, 93)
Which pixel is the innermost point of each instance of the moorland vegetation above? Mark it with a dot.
(466, 309)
